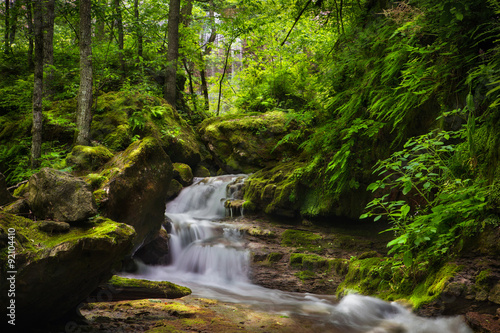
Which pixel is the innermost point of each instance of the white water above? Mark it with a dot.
(209, 257)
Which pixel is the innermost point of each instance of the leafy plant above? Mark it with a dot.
(436, 208)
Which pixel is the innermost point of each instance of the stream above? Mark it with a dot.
(208, 255)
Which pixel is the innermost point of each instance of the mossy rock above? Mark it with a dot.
(88, 158)
(174, 189)
(53, 275)
(183, 174)
(140, 289)
(309, 262)
(246, 142)
(303, 240)
(137, 188)
(201, 172)
(122, 117)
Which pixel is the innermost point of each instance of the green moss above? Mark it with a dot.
(180, 310)
(170, 289)
(183, 173)
(201, 172)
(305, 275)
(274, 256)
(303, 240)
(308, 261)
(367, 276)
(21, 190)
(433, 286)
(339, 266)
(95, 180)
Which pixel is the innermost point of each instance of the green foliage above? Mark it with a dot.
(437, 207)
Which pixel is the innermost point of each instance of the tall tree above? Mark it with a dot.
(36, 144)
(48, 47)
(172, 51)
(7, 27)
(119, 26)
(206, 52)
(29, 19)
(84, 111)
(138, 28)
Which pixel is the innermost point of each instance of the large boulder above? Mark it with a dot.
(52, 274)
(137, 187)
(88, 158)
(247, 143)
(56, 195)
(5, 196)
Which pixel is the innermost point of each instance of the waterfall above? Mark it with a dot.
(199, 245)
(209, 257)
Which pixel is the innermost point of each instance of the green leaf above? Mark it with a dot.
(407, 259)
(407, 187)
(405, 210)
(377, 218)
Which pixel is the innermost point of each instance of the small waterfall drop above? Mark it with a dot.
(209, 257)
(200, 246)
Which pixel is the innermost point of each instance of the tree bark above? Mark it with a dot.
(84, 114)
(138, 29)
(208, 49)
(36, 143)
(7, 27)
(48, 49)
(170, 93)
(119, 26)
(29, 19)
(223, 74)
(13, 21)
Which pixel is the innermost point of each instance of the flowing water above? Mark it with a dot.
(209, 257)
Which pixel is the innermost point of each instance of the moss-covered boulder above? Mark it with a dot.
(136, 188)
(183, 174)
(130, 289)
(57, 195)
(122, 116)
(88, 158)
(246, 143)
(55, 272)
(201, 172)
(5, 196)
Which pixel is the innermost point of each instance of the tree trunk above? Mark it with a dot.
(223, 74)
(170, 93)
(119, 26)
(208, 49)
(36, 144)
(7, 27)
(13, 21)
(84, 114)
(138, 28)
(48, 47)
(29, 19)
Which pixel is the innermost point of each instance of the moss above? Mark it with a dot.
(303, 240)
(484, 280)
(201, 172)
(274, 256)
(170, 289)
(95, 180)
(88, 158)
(308, 261)
(367, 276)
(180, 310)
(21, 190)
(433, 286)
(305, 275)
(183, 173)
(174, 188)
(339, 266)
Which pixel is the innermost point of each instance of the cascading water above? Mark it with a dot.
(209, 257)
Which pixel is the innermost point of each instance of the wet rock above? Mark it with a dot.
(5, 196)
(174, 189)
(156, 252)
(483, 323)
(201, 172)
(137, 188)
(56, 195)
(55, 273)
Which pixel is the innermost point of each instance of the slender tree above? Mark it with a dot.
(36, 144)
(138, 28)
(48, 47)
(205, 53)
(84, 114)
(170, 93)
(119, 27)
(29, 21)
(7, 27)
